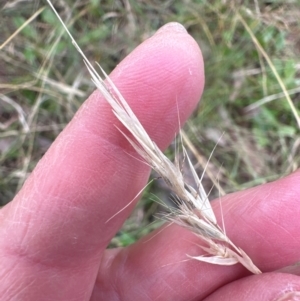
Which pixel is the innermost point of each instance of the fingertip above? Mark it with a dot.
(162, 79)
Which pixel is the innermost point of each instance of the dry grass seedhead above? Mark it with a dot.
(194, 210)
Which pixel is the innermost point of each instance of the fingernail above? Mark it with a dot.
(290, 296)
(172, 27)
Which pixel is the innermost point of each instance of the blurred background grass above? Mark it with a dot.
(252, 94)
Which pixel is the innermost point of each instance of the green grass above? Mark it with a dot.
(251, 57)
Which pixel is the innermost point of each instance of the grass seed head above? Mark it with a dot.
(194, 210)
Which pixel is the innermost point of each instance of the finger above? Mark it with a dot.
(58, 218)
(266, 287)
(263, 221)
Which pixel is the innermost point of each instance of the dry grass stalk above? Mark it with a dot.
(194, 210)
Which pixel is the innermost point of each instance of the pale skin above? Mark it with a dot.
(53, 235)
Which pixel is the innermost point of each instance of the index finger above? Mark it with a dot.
(86, 177)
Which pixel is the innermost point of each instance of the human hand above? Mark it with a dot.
(54, 233)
